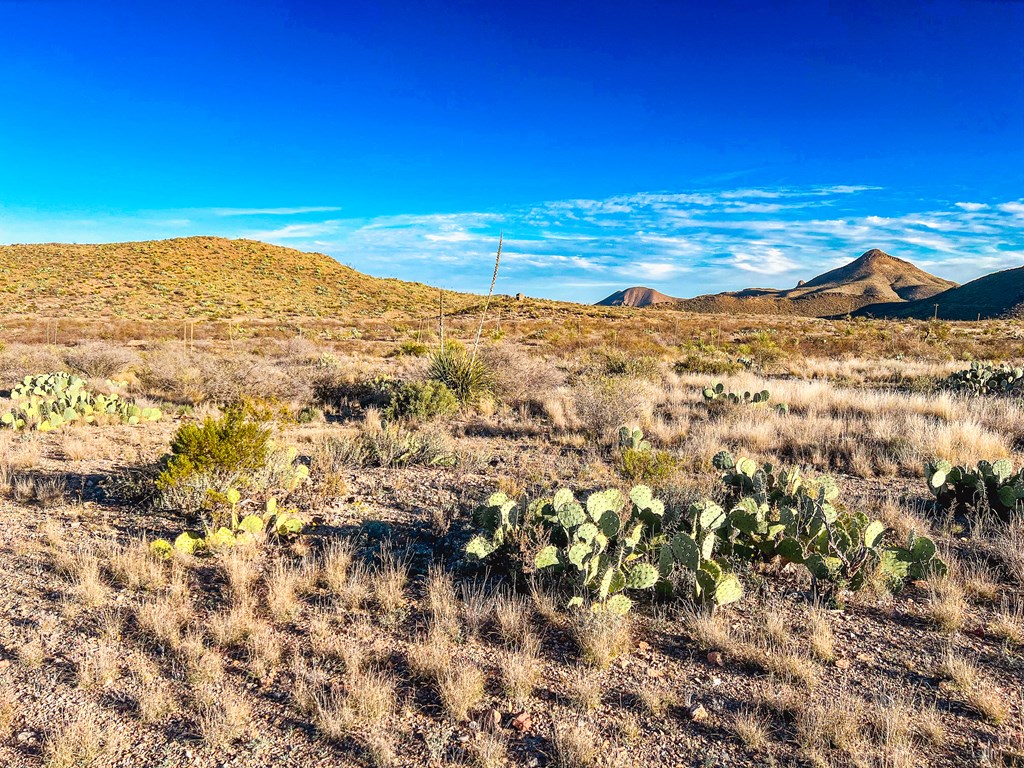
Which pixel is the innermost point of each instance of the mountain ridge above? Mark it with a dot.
(872, 278)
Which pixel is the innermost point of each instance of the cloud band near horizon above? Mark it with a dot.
(681, 243)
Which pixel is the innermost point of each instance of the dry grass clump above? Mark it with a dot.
(155, 700)
(711, 634)
(241, 571)
(1008, 624)
(164, 617)
(585, 689)
(79, 741)
(354, 592)
(477, 607)
(574, 746)
(1009, 547)
(822, 637)
(265, 652)
(283, 586)
(791, 667)
(656, 698)
(929, 727)
(430, 657)
(443, 603)
(489, 750)
(947, 608)
(133, 567)
(335, 561)
(367, 699)
(980, 583)
(601, 637)
(100, 668)
(750, 727)
(520, 671)
(461, 688)
(233, 627)
(222, 715)
(202, 666)
(977, 692)
(389, 582)
(32, 652)
(513, 620)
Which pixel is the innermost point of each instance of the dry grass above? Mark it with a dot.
(520, 672)
(656, 698)
(1008, 624)
(336, 560)
(154, 698)
(204, 667)
(233, 627)
(711, 634)
(477, 607)
(751, 728)
(32, 652)
(443, 603)
(958, 670)
(389, 582)
(574, 746)
(79, 741)
(133, 567)
(513, 619)
(430, 658)
(585, 688)
(489, 750)
(461, 688)
(284, 583)
(1009, 547)
(222, 715)
(241, 571)
(100, 668)
(354, 593)
(266, 650)
(601, 637)
(947, 608)
(821, 635)
(980, 583)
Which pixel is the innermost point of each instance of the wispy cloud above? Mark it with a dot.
(681, 242)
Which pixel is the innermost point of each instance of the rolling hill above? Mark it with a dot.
(875, 277)
(999, 295)
(206, 278)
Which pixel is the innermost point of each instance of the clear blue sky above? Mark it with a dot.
(688, 146)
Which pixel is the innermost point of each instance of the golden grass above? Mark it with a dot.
(461, 688)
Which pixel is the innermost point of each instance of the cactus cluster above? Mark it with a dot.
(987, 379)
(992, 485)
(609, 545)
(632, 438)
(717, 393)
(244, 530)
(49, 401)
(782, 514)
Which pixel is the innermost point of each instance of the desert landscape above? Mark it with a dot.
(505, 532)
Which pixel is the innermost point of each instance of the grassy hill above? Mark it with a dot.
(202, 278)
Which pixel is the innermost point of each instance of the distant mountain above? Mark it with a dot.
(637, 296)
(999, 295)
(875, 277)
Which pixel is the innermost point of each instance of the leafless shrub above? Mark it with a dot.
(100, 360)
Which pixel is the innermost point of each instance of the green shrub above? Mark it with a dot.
(466, 376)
(650, 467)
(227, 448)
(706, 365)
(212, 461)
(410, 349)
(420, 401)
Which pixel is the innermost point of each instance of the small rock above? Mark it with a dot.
(843, 663)
(715, 658)
(698, 713)
(716, 681)
(521, 722)
(654, 672)
(643, 646)
(26, 736)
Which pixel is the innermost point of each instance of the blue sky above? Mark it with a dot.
(692, 147)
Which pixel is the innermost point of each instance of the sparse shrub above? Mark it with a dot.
(420, 401)
(99, 360)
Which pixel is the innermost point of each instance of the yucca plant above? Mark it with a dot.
(466, 376)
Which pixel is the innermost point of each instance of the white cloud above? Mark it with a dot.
(972, 206)
(768, 261)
